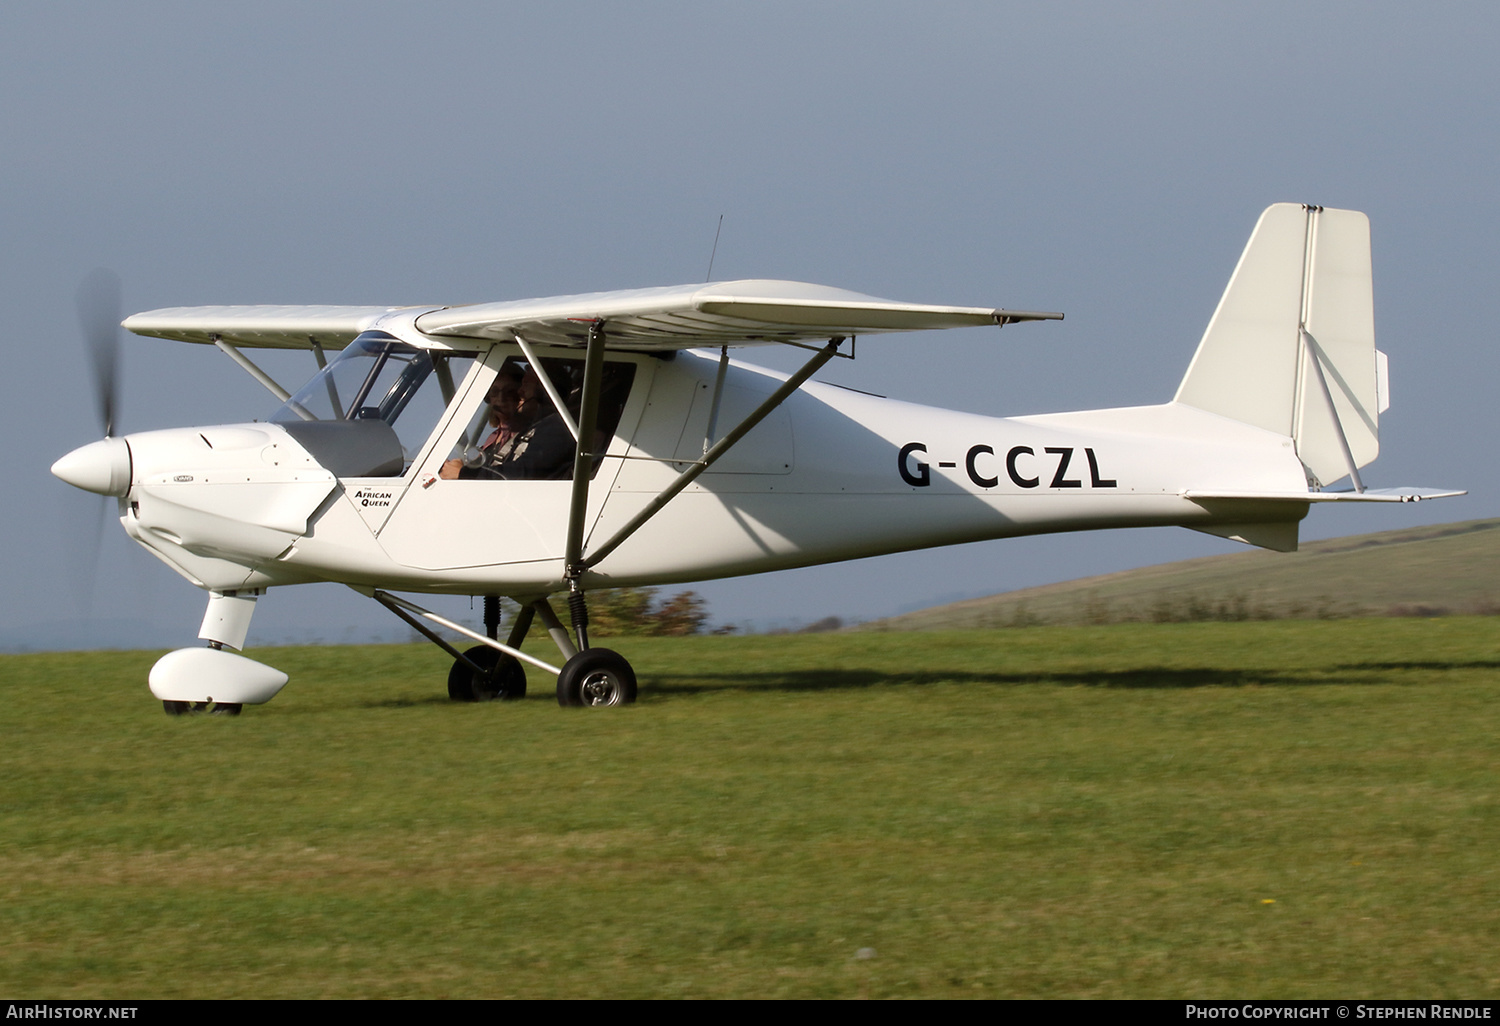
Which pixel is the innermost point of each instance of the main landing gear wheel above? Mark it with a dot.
(505, 677)
(596, 676)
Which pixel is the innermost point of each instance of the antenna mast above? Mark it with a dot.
(710, 274)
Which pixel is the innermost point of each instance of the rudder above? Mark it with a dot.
(1291, 347)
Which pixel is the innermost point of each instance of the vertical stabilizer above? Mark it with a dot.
(1291, 347)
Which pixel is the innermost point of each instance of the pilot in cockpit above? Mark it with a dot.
(507, 420)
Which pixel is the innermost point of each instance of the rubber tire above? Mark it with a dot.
(217, 708)
(595, 677)
(508, 684)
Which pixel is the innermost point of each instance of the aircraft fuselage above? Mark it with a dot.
(832, 474)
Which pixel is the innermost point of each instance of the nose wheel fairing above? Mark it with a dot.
(212, 675)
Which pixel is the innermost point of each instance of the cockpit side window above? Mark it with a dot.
(521, 433)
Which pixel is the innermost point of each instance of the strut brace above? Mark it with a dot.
(400, 607)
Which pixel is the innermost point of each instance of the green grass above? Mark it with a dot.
(1290, 809)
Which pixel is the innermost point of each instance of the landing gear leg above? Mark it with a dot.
(578, 609)
(555, 628)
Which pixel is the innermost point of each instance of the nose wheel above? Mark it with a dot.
(216, 708)
(596, 676)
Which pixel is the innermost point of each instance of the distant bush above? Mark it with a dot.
(683, 613)
(623, 612)
(1193, 609)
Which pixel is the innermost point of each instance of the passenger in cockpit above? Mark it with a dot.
(544, 451)
(507, 420)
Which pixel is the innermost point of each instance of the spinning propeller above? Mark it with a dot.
(103, 466)
(99, 314)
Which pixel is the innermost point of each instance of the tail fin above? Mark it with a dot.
(1291, 347)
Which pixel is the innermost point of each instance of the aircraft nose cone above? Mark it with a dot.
(102, 467)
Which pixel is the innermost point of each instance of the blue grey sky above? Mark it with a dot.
(1104, 159)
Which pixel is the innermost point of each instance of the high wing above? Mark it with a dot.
(737, 313)
(751, 312)
(259, 327)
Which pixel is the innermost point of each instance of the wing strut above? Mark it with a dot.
(690, 475)
(583, 457)
(583, 467)
(255, 372)
(713, 410)
(551, 389)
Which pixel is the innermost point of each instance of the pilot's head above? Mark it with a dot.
(534, 399)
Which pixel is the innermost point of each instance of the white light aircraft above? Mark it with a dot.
(546, 446)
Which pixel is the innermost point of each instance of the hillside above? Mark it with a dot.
(1419, 571)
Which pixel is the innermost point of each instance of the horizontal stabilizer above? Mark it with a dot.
(1402, 494)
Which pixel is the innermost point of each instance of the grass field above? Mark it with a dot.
(1290, 809)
